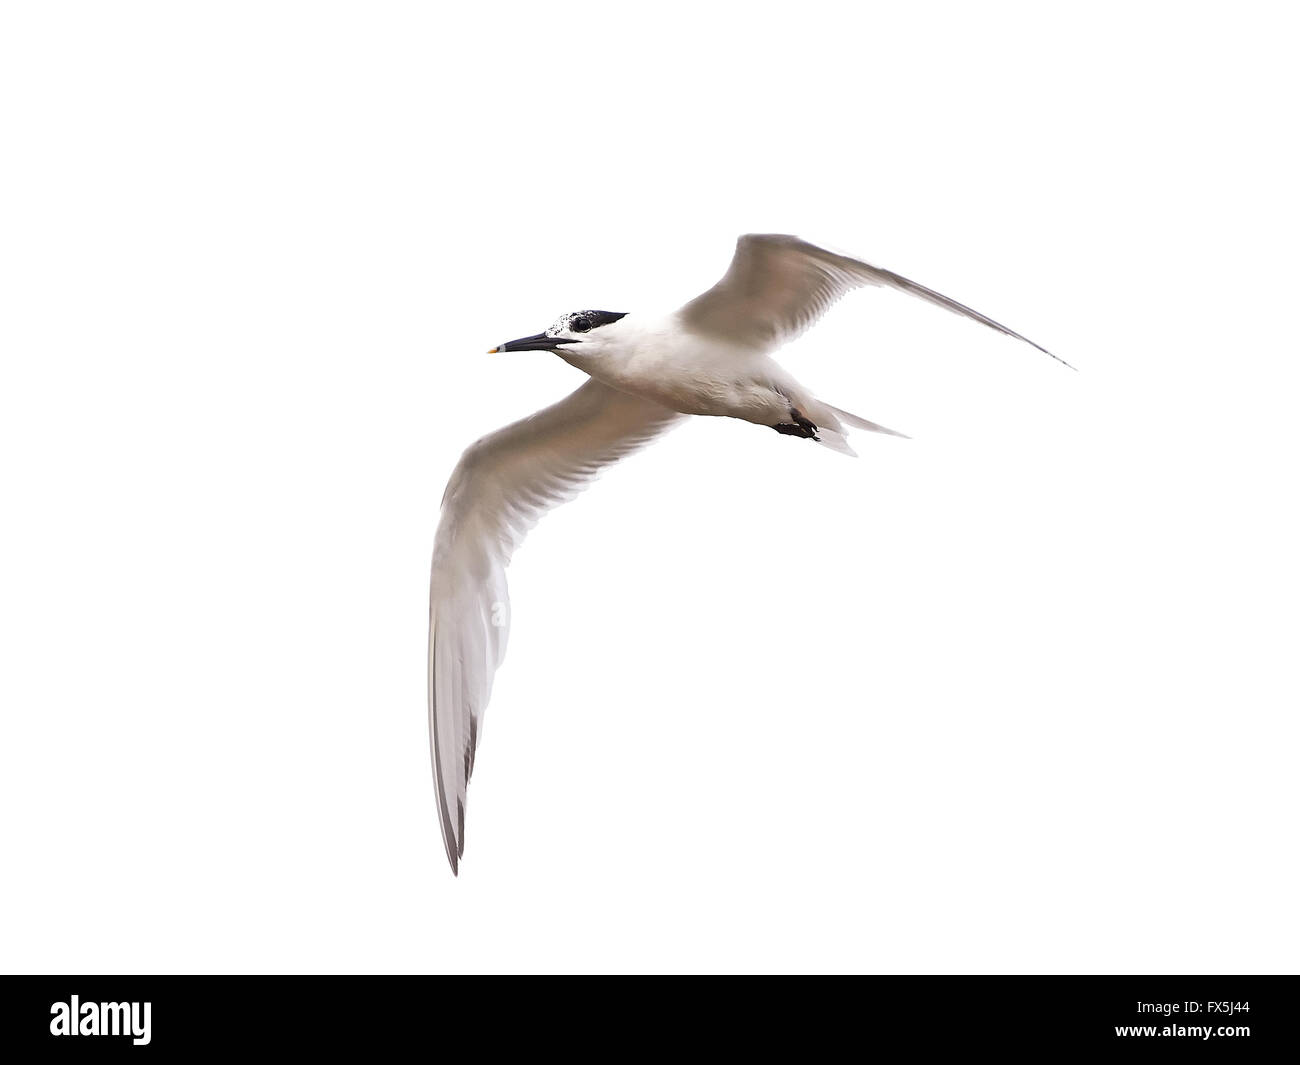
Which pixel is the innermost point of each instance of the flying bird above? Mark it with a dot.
(646, 374)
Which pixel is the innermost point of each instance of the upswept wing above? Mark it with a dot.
(777, 286)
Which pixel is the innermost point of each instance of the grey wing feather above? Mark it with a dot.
(502, 485)
(777, 286)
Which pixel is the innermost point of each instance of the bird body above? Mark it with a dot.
(660, 361)
(713, 357)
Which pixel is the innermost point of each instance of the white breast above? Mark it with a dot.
(659, 361)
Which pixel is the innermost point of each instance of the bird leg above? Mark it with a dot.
(799, 426)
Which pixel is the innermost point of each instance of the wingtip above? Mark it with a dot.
(453, 857)
(453, 843)
(1058, 358)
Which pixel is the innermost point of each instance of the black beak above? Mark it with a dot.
(538, 342)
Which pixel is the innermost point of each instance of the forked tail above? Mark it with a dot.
(831, 422)
(810, 418)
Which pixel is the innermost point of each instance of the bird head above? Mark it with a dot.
(581, 327)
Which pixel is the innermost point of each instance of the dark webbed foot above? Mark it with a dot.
(799, 426)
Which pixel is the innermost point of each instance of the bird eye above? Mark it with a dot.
(580, 324)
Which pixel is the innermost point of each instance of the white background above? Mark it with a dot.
(1016, 695)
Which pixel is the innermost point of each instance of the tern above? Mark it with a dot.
(646, 375)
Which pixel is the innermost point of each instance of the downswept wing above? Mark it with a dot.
(502, 485)
(777, 286)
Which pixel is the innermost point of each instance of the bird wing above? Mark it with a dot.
(777, 286)
(502, 485)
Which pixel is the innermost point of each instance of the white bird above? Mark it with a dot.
(713, 357)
